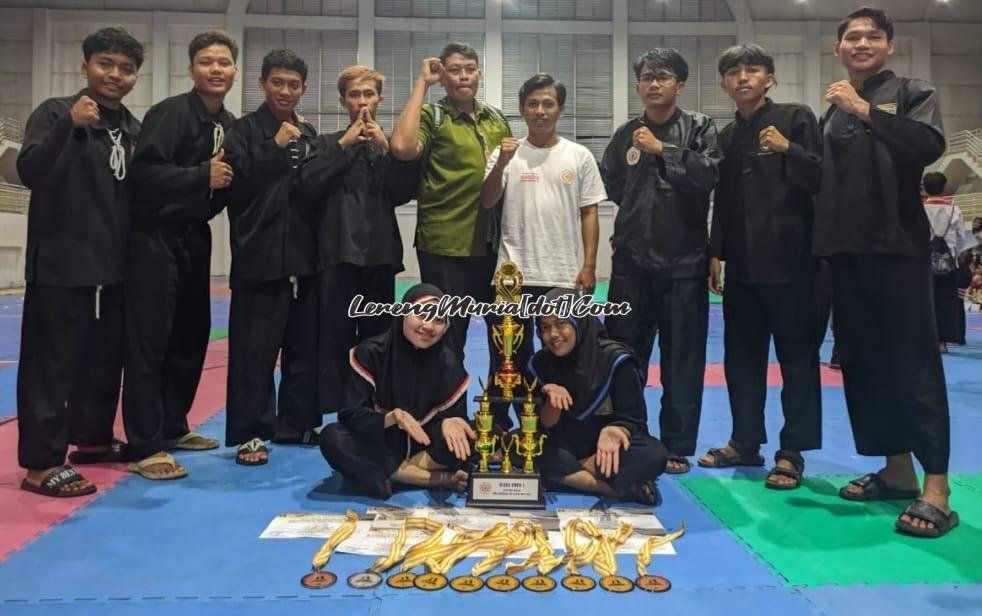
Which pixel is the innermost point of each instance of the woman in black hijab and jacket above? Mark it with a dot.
(404, 417)
(594, 411)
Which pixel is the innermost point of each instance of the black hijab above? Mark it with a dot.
(588, 371)
(422, 382)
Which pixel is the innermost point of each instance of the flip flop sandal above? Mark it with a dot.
(923, 510)
(251, 446)
(307, 437)
(118, 452)
(678, 460)
(142, 467)
(192, 441)
(875, 488)
(721, 460)
(54, 482)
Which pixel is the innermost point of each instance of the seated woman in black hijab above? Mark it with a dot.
(594, 411)
(404, 417)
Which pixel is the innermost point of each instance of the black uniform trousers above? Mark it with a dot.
(71, 361)
(888, 344)
(753, 313)
(460, 277)
(643, 461)
(947, 305)
(263, 319)
(358, 458)
(678, 311)
(337, 332)
(168, 323)
(823, 300)
(523, 353)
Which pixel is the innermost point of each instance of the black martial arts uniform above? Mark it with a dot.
(605, 380)
(386, 373)
(762, 226)
(359, 250)
(870, 222)
(274, 291)
(659, 262)
(72, 328)
(168, 306)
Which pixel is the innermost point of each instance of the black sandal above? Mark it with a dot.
(799, 468)
(875, 488)
(645, 493)
(307, 437)
(923, 510)
(721, 460)
(54, 482)
(254, 445)
(678, 460)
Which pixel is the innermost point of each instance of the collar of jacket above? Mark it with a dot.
(270, 125)
(480, 109)
(644, 121)
(199, 107)
(768, 103)
(876, 80)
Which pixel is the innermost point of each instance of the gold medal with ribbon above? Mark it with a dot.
(544, 558)
(405, 579)
(654, 583)
(578, 555)
(605, 561)
(317, 578)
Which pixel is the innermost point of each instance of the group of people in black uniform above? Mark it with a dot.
(119, 249)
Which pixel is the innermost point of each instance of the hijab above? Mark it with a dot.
(588, 370)
(422, 382)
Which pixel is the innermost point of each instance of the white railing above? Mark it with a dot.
(966, 142)
(13, 198)
(970, 205)
(11, 130)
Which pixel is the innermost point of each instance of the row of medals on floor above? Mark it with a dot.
(501, 540)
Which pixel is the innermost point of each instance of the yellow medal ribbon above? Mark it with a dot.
(384, 563)
(441, 561)
(544, 556)
(340, 534)
(653, 543)
(577, 555)
(519, 538)
(430, 543)
(605, 562)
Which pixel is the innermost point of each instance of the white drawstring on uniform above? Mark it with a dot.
(117, 155)
(293, 281)
(217, 139)
(98, 294)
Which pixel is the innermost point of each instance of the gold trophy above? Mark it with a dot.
(503, 487)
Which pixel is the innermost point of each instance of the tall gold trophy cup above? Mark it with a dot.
(503, 487)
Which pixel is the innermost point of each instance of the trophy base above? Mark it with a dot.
(515, 490)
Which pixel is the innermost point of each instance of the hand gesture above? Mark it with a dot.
(508, 147)
(558, 396)
(373, 132)
(458, 434)
(287, 133)
(586, 280)
(612, 440)
(408, 424)
(354, 134)
(844, 96)
(85, 111)
(715, 276)
(221, 171)
(771, 140)
(431, 71)
(646, 141)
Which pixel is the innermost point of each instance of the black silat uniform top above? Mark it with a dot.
(355, 190)
(172, 163)
(869, 201)
(79, 212)
(272, 228)
(663, 201)
(764, 205)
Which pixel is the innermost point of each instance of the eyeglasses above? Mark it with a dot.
(663, 79)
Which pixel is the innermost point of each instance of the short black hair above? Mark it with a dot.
(934, 183)
(877, 16)
(539, 81)
(663, 58)
(284, 58)
(463, 49)
(749, 54)
(113, 40)
(207, 39)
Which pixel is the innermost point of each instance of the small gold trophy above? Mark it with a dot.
(504, 487)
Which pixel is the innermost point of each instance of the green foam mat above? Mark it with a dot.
(810, 536)
(217, 334)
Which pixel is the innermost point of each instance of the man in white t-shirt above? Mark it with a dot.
(551, 187)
